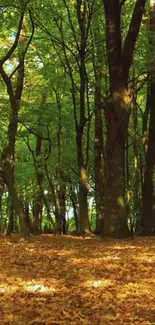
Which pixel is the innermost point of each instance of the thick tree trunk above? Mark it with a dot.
(120, 57)
(115, 221)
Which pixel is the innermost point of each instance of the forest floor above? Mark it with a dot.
(65, 280)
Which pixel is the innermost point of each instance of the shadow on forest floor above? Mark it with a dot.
(77, 281)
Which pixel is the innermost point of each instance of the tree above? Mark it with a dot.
(148, 211)
(120, 57)
(14, 90)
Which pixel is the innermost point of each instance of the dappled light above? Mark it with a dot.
(96, 284)
(68, 280)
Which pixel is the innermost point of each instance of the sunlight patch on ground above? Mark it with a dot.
(97, 283)
(67, 252)
(30, 286)
(121, 247)
(146, 258)
(6, 288)
(38, 288)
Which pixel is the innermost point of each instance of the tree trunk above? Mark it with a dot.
(119, 60)
(98, 145)
(74, 200)
(16, 202)
(38, 203)
(62, 207)
(14, 93)
(148, 210)
(83, 190)
(11, 218)
(7, 174)
(1, 194)
(115, 221)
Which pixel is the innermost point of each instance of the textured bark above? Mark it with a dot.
(119, 61)
(115, 221)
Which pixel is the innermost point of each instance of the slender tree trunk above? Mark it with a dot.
(79, 103)
(148, 210)
(16, 203)
(82, 168)
(137, 194)
(74, 200)
(11, 218)
(98, 145)
(62, 206)
(7, 174)
(83, 190)
(38, 204)
(1, 195)
(14, 93)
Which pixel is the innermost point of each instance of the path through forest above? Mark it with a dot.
(77, 281)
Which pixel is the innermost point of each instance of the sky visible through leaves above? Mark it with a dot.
(71, 280)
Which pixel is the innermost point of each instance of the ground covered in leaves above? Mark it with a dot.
(77, 281)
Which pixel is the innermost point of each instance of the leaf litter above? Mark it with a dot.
(68, 280)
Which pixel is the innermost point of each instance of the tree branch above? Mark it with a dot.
(15, 44)
(131, 38)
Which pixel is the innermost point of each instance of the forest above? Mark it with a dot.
(77, 122)
(77, 162)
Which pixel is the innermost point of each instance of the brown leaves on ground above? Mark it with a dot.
(77, 281)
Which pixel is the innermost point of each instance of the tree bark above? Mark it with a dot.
(148, 209)
(98, 145)
(119, 61)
